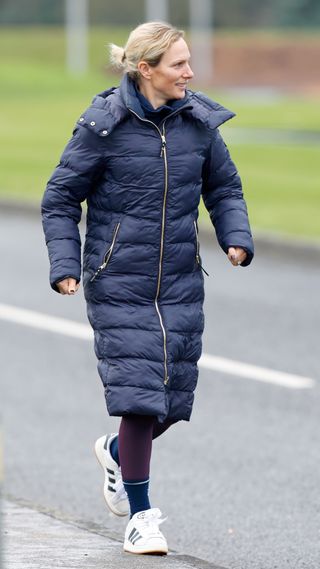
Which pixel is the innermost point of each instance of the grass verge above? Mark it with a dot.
(40, 103)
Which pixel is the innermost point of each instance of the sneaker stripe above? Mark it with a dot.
(131, 533)
(134, 536)
(111, 480)
(111, 489)
(110, 471)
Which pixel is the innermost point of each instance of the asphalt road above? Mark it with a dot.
(240, 482)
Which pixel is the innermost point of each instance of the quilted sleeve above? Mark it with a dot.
(79, 167)
(223, 198)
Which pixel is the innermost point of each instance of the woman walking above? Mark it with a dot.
(141, 156)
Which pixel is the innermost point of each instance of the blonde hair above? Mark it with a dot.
(146, 42)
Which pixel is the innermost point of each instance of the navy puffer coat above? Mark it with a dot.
(142, 275)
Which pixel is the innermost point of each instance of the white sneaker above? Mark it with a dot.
(143, 534)
(113, 489)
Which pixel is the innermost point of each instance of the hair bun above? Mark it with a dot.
(117, 55)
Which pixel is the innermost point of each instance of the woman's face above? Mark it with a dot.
(168, 80)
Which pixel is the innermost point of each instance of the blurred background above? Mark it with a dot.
(259, 59)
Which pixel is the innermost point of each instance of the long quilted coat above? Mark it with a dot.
(142, 275)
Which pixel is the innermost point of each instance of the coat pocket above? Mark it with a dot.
(108, 253)
(198, 258)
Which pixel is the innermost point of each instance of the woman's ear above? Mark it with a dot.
(144, 69)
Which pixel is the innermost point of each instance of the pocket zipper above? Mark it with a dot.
(197, 252)
(107, 254)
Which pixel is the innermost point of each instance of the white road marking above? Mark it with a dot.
(214, 363)
(45, 322)
(249, 371)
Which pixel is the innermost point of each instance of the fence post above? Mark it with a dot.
(157, 10)
(76, 26)
(201, 36)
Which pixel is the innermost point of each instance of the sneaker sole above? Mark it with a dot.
(97, 451)
(143, 551)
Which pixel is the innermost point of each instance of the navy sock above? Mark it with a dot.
(114, 450)
(137, 491)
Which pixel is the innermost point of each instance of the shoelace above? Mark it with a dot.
(120, 491)
(154, 520)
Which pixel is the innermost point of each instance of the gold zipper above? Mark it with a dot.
(197, 241)
(163, 154)
(197, 251)
(107, 254)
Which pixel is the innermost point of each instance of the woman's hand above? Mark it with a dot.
(68, 286)
(236, 255)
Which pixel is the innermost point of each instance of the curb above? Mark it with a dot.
(22, 516)
(31, 208)
(265, 242)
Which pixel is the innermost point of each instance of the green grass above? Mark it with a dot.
(40, 103)
(281, 185)
(285, 113)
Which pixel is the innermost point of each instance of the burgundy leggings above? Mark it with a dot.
(135, 444)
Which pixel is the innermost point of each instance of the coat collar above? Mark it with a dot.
(129, 95)
(112, 106)
(209, 112)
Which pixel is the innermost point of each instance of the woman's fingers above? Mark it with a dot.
(62, 286)
(236, 255)
(68, 286)
(71, 286)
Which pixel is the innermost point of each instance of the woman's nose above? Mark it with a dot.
(188, 72)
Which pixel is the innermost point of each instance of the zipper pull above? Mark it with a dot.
(163, 145)
(204, 271)
(201, 267)
(98, 271)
